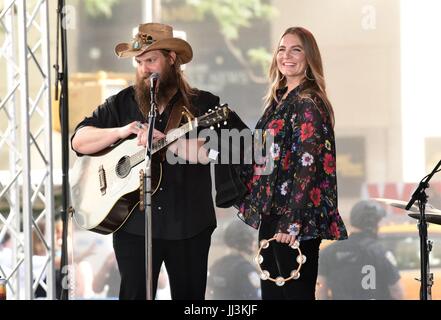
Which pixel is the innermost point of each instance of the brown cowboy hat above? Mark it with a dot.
(155, 36)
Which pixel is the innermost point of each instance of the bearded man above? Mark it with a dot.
(183, 216)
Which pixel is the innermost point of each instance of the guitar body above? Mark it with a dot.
(105, 209)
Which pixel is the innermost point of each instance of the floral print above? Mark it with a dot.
(302, 187)
(275, 151)
(275, 126)
(307, 131)
(294, 229)
(307, 159)
(329, 164)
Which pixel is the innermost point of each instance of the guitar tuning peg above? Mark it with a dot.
(212, 128)
(216, 108)
(225, 123)
(218, 125)
(209, 110)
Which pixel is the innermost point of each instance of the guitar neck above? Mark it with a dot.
(204, 121)
(163, 142)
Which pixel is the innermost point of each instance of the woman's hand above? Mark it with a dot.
(285, 238)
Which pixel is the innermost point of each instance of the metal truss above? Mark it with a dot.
(26, 188)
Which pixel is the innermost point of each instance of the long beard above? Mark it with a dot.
(166, 87)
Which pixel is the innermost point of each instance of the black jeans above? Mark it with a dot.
(185, 260)
(280, 259)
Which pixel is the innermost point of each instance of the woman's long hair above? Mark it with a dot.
(314, 83)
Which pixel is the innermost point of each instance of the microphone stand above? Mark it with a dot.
(62, 77)
(147, 196)
(425, 247)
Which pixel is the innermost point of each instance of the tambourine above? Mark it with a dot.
(280, 281)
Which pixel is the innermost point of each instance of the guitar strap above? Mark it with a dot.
(175, 118)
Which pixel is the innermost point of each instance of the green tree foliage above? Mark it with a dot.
(97, 8)
(261, 57)
(232, 15)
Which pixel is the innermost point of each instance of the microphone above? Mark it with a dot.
(153, 81)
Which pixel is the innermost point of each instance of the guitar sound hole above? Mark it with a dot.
(123, 167)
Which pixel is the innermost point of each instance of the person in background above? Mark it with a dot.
(233, 276)
(360, 268)
(107, 278)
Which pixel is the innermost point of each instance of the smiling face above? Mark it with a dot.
(291, 59)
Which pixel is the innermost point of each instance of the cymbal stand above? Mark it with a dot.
(425, 245)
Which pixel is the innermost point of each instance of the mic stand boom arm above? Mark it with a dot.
(424, 184)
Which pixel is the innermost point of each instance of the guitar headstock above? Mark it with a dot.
(214, 116)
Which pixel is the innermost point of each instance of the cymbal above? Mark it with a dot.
(402, 205)
(431, 218)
